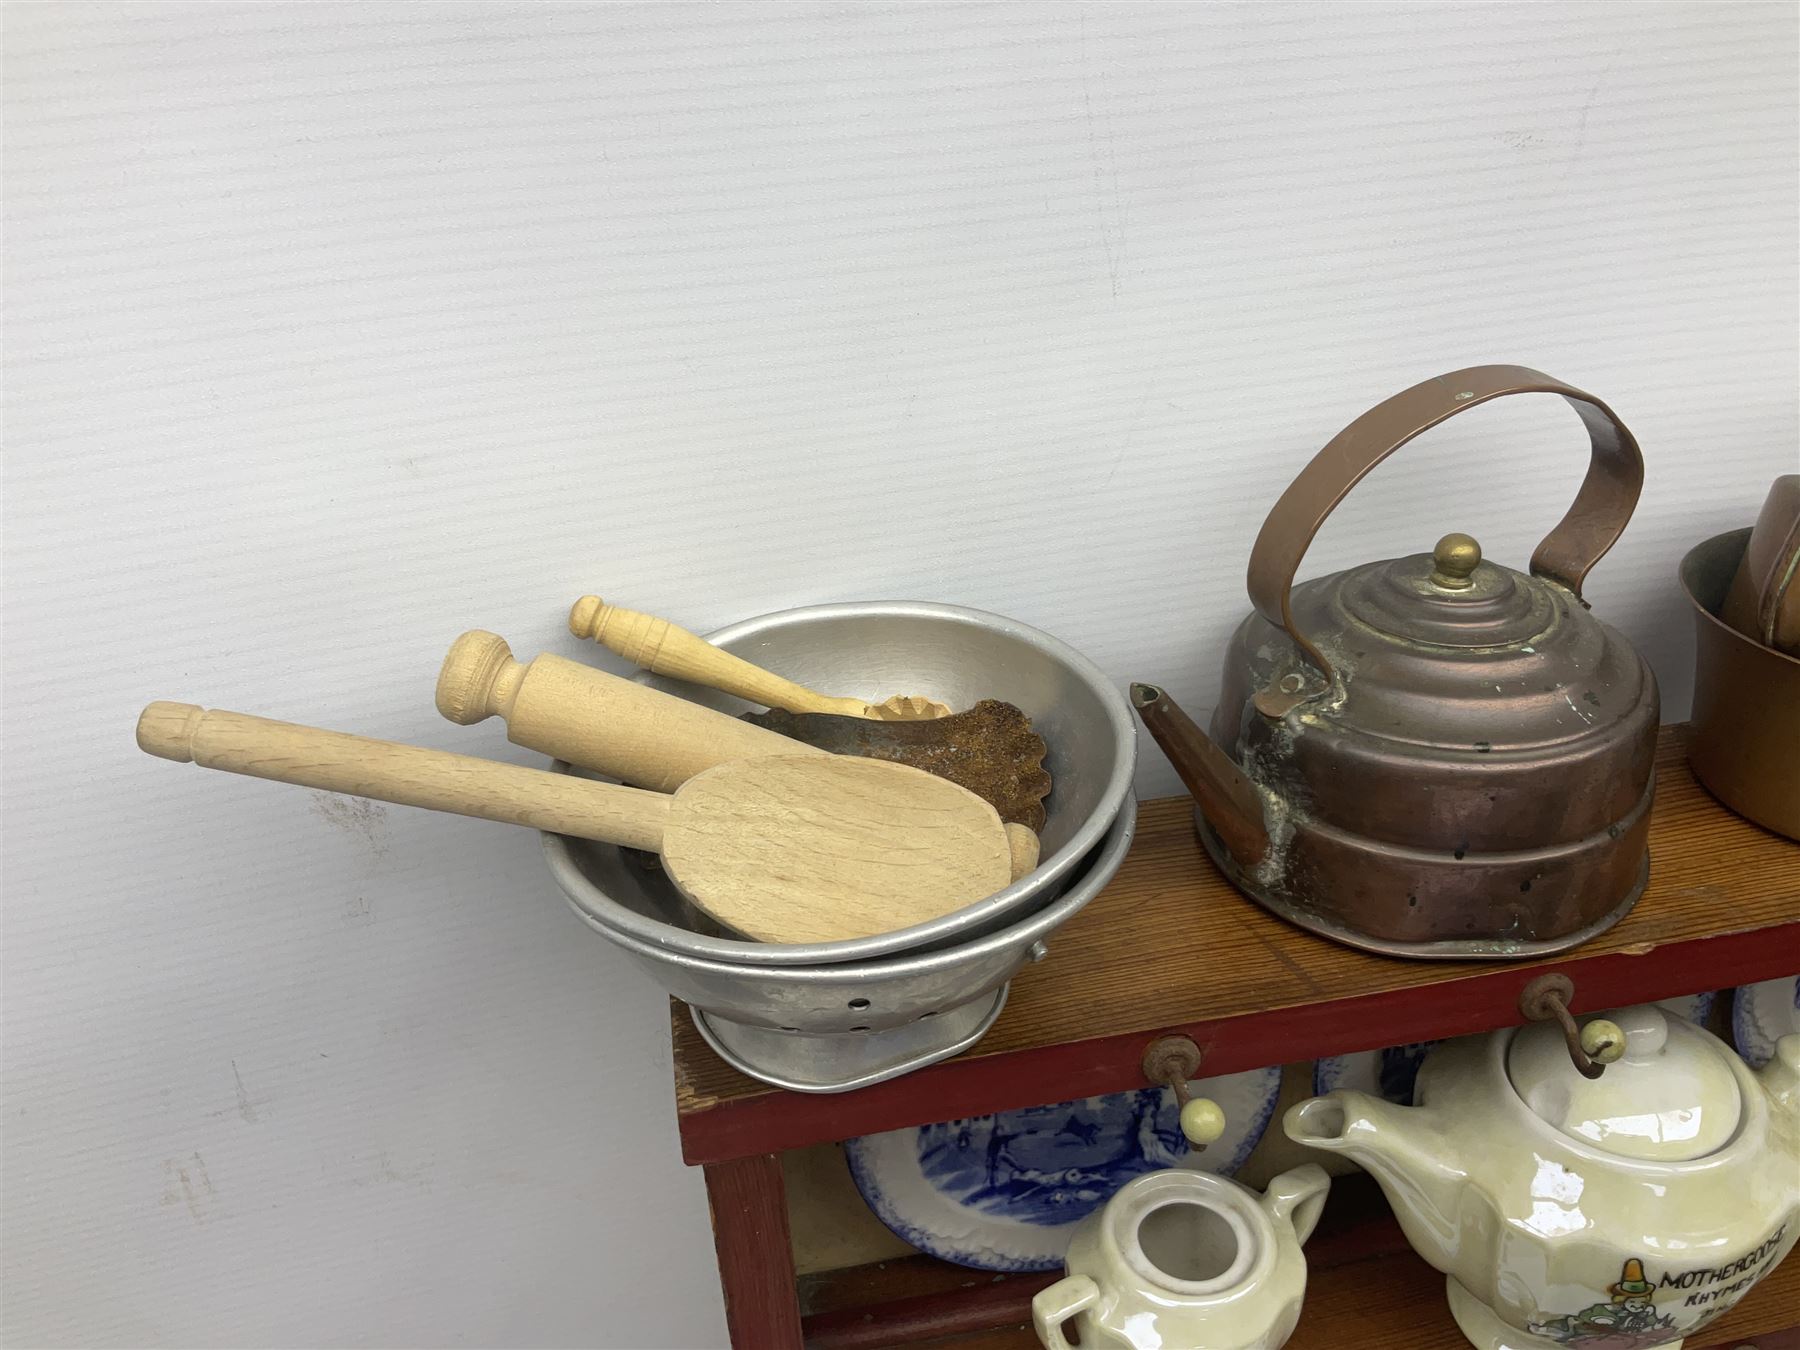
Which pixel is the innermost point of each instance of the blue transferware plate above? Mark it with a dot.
(1762, 1014)
(1004, 1192)
(1389, 1073)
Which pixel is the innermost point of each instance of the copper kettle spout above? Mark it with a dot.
(1227, 799)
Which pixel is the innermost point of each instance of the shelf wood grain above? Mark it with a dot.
(1169, 946)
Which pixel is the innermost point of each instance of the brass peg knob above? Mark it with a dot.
(1453, 562)
(1202, 1121)
(1173, 1061)
(1603, 1041)
(1591, 1048)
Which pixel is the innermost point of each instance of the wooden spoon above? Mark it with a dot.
(805, 848)
(664, 648)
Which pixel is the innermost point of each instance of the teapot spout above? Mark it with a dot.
(1403, 1149)
(1227, 799)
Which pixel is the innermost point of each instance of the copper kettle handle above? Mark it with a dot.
(1581, 538)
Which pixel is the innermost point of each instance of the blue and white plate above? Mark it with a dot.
(1389, 1073)
(1762, 1014)
(1004, 1192)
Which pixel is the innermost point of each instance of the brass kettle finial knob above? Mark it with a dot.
(1454, 561)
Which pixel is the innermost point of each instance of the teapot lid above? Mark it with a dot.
(1671, 1097)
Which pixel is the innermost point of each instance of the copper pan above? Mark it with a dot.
(1746, 743)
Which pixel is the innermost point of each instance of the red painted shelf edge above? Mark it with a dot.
(978, 1085)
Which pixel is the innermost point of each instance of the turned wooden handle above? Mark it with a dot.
(599, 721)
(1022, 842)
(407, 775)
(667, 649)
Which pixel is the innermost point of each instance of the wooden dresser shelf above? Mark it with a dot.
(1366, 1290)
(1170, 947)
(1389, 1302)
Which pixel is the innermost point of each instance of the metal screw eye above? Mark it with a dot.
(1546, 999)
(1173, 1061)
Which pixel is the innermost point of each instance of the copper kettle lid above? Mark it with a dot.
(1449, 651)
(1450, 599)
(1447, 598)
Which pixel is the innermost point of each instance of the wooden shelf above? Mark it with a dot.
(1366, 1290)
(1397, 1303)
(1169, 946)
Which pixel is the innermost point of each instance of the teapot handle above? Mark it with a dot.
(1051, 1307)
(1298, 1196)
(1581, 538)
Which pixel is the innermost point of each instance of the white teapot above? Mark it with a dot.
(1615, 1213)
(1181, 1260)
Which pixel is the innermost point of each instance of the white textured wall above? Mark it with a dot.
(334, 330)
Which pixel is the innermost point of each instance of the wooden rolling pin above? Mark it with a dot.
(596, 720)
(615, 726)
(784, 848)
(664, 648)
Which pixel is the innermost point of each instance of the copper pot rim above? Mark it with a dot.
(1689, 560)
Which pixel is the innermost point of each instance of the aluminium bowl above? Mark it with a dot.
(883, 994)
(872, 650)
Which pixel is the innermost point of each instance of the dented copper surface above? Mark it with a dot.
(1453, 759)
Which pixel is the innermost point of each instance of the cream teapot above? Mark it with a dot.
(1185, 1260)
(1620, 1212)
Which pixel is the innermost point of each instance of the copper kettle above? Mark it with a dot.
(1433, 755)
